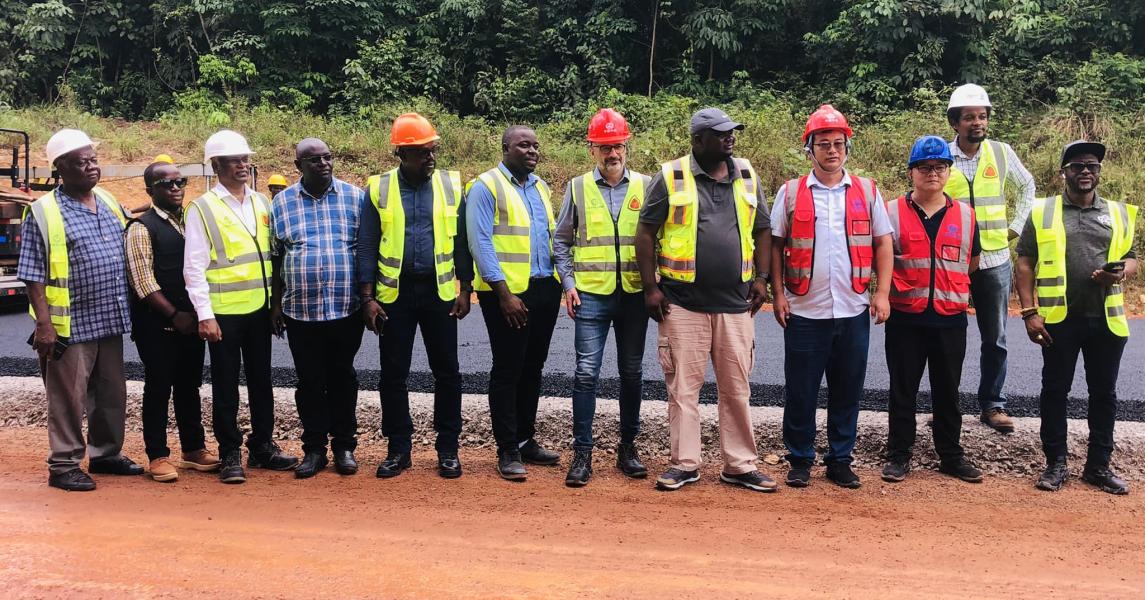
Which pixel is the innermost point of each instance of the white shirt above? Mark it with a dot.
(830, 295)
(197, 251)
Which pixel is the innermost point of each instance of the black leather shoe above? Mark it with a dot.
(629, 462)
(580, 471)
(1053, 478)
(510, 466)
(448, 465)
(72, 481)
(231, 469)
(534, 453)
(115, 465)
(270, 456)
(344, 462)
(842, 475)
(312, 462)
(1105, 480)
(394, 464)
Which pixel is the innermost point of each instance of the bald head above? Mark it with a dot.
(310, 147)
(314, 162)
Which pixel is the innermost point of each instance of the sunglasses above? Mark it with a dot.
(1077, 167)
(168, 184)
(318, 159)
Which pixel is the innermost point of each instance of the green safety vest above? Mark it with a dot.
(677, 238)
(1050, 281)
(987, 195)
(391, 250)
(511, 226)
(238, 276)
(603, 247)
(50, 222)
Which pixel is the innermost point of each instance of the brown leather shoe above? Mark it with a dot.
(161, 469)
(997, 419)
(200, 460)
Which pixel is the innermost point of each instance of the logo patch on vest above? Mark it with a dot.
(266, 220)
(950, 253)
(860, 227)
(990, 172)
(634, 204)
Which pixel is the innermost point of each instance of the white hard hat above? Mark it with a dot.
(64, 141)
(225, 143)
(968, 95)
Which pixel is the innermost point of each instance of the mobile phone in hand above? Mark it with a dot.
(1114, 267)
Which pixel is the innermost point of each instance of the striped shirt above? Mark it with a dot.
(316, 237)
(1017, 175)
(96, 270)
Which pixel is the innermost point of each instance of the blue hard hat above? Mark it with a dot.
(930, 147)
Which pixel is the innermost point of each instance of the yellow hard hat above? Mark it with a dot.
(164, 158)
(277, 179)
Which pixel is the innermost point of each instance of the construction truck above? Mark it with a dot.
(16, 193)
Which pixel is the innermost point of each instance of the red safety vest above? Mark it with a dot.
(922, 264)
(799, 248)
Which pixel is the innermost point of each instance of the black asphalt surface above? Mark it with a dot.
(1022, 384)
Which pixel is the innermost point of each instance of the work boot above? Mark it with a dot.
(162, 470)
(200, 460)
(1055, 475)
(536, 454)
(231, 469)
(997, 419)
(629, 462)
(270, 456)
(1105, 480)
(580, 471)
(510, 466)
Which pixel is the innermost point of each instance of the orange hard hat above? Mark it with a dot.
(412, 129)
(826, 118)
(607, 127)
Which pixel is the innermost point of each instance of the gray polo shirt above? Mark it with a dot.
(1088, 233)
(718, 287)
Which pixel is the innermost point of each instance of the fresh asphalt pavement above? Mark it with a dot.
(1022, 383)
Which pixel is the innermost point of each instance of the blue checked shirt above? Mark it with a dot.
(97, 271)
(317, 239)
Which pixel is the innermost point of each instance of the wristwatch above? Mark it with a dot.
(764, 277)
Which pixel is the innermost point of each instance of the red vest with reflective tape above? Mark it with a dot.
(799, 249)
(921, 263)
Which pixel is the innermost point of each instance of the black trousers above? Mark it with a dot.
(418, 305)
(327, 394)
(909, 351)
(245, 343)
(172, 369)
(1101, 350)
(518, 357)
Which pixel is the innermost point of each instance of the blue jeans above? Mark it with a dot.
(812, 347)
(625, 313)
(990, 289)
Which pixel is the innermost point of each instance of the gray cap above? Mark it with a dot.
(1076, 147)
(714, 119)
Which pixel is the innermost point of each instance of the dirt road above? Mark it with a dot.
(419, 536)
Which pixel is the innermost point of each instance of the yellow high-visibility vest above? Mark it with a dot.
(1050, 281)
(987, 195)
(677, 238)
(387, 199)
(238, 276)
(50, 222)
(511, 227)
(603, 247)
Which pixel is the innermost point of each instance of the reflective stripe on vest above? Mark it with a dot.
(50, 222)
(239, 274)
(677, 237)
(986, 194)
(922, 264)
(511, 227)
(1050, 279)
(387, 199)
(603, 247)
(799, 248)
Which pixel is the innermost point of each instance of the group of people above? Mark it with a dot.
(694, 247)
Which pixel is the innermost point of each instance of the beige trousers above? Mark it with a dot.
(87, 379)
(687, 340)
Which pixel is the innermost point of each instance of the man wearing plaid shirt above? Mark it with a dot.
(314, 224)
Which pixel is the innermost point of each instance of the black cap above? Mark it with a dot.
(714, 119)
(1077, 147)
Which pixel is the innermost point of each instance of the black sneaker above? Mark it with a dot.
(895, 471)
(674, 479)
(752, 480)
(72, 481)
(394, 464)
(534, 453)
(270, 456)
(799, 476)
(842, 475)
(510, 466)
(448, 465)
(115, 465)
(629, 462)
(1105, 480)
(231, 469)
(1054, 477)
(580, 471)
(962, 469)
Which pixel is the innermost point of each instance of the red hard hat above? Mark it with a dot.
(826, 118)
(607, 127)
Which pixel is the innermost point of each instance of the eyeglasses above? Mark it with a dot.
(939, 170)
(1076, 168)
(607, 149)
(827, 146)
(318, 159)
(168, 184)
(235, 160)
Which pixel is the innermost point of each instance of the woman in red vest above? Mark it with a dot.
(936, 248)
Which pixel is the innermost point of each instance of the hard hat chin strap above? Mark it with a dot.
(818, 165)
